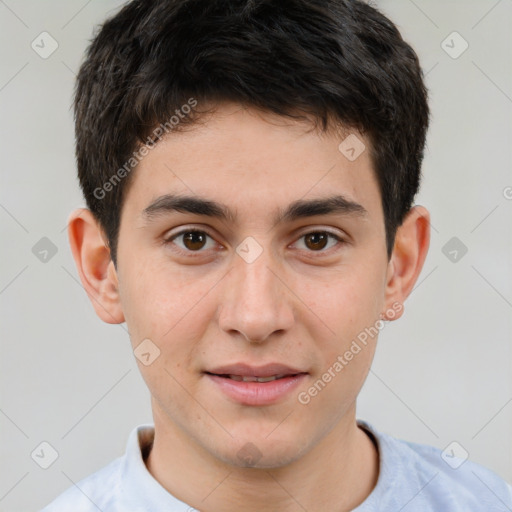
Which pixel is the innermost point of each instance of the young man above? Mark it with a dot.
(249, 168)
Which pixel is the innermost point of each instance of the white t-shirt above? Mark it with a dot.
(412, 478)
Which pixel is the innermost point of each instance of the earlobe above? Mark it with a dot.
(94, 265)
(409, 252)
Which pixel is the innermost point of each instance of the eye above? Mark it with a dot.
(317, 241)
(196, 241)
(193, 240)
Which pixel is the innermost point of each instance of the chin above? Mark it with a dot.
(258, 452)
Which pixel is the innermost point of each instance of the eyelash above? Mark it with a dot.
(170, 240)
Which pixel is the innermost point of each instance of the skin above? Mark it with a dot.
(298, 304)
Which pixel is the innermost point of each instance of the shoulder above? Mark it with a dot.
(463, 481)
(420, 477)
(111, 488)
(95, 492)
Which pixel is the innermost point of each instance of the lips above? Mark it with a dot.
(252, 378)
(247, 373)
(256, 385)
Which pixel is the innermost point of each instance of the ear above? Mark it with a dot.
(409, 252)
(94, 265)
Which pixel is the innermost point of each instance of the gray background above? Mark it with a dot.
(441, 373)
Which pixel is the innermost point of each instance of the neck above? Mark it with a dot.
(336, 474)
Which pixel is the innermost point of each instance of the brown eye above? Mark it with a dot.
(192, 240)
(318, 241)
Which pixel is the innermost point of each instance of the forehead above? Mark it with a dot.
(255, 165)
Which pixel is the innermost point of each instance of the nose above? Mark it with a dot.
(256, 301)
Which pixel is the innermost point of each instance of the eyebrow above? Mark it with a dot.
(170, 203)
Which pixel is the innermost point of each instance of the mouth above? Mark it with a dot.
(243, 370)
(250, 385)
(253, 378)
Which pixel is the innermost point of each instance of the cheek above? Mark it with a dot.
(172, 310)
(346, 361)
(350, 307)
(346, 303)
(159, 302)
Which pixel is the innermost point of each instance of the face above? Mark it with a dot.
(270, 282)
